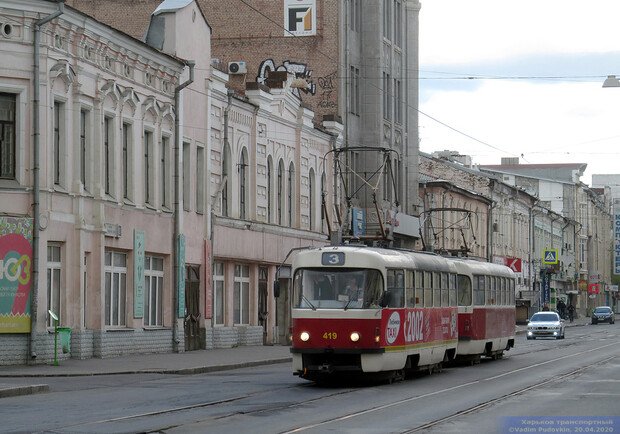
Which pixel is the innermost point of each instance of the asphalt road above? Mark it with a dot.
(536, 384)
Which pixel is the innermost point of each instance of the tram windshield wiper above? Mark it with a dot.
(308, 301)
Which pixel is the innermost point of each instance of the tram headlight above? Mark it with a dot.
(304, 336)
(355, 336)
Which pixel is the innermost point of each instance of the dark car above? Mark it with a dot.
(603, 314)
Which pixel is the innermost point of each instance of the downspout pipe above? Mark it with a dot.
(177, 202)
(35, 174)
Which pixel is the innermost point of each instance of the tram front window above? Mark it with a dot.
(320, 288)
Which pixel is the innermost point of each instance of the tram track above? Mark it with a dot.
(472, 409)
(275, 407)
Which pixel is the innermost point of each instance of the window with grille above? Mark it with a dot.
(54, 267)
(241, 295)
(115, 269)
(153, 290)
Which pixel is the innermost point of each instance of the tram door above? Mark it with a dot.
(262, 301)
(192, 308)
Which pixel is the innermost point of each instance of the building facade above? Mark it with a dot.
(352, 60)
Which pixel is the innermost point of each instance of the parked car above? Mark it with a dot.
(545, 325)
(603, 314)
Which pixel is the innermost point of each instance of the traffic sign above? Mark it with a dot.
(550, 256)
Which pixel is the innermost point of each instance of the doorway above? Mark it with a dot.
(192, 308)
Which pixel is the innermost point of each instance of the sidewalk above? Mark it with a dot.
(190, 362)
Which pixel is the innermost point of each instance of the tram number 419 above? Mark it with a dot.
(330, 336)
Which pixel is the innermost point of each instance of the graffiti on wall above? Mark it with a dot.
(15, 274)
(327, 91)
(299, 70)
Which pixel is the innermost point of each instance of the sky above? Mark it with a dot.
(507, 78)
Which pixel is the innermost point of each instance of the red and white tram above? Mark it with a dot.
(358, 309)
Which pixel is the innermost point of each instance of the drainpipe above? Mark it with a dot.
(35, 174)
(177, 202)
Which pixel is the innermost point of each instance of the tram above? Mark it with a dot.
(359, 309)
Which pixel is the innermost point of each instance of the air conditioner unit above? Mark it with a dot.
(237, 68)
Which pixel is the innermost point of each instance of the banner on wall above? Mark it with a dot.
(138, 274)
(299, 17)
(15, 274)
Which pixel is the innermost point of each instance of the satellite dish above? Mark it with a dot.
(53, 315)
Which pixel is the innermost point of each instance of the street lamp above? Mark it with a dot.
(611, 81)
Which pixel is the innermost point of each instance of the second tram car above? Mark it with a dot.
(359, 309)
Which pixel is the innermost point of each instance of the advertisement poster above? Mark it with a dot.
(15, 274)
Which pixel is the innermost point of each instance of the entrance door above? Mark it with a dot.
(262, 301)
(192, 308)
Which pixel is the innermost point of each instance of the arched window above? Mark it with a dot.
(243, 187)
(311, 199)
(291, 192)
(280, 197)
(225, 178)
(269, 189)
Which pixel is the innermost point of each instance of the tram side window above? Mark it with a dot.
(445, 297)
(464, 290)
(410, 288)
(436, 289)
(479, 285)
(491, 289)
(452, 289)
(419, 289)
(511, 292)
(427, 284)
(502, 295)
(394, 296)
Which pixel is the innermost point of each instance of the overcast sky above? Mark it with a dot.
(535, 92)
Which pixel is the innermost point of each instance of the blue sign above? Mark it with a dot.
(545, 288)
(181, 275)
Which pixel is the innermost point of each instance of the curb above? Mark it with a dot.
(7, 391)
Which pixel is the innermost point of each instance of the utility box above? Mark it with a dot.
(64, 333)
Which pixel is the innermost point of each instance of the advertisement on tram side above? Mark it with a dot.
(411, 327)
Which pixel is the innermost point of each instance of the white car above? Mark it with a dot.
(545, 325)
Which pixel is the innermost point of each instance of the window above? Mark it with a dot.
(354, 91)
(387, 19)
(107, 154)
(291, 193)
(241, 296)
(387, 94)
(153, 290)
(200, 179)
(148, 171)
(243, 187)
(84, 151)
(479, 286)
(398, 22)
(225, 173)
(436, 289)
(115, 269)
(186, 176)
(164, 162)
(452, 289)
(428, 289)
(355, 15)
(58, 142)
(491, 290)
(311, 194)
(280, 197)
(54, 266)
(7, 136)
(269, 190)
(218, 285)
(464, 290)
(398, 97)
(126, 175)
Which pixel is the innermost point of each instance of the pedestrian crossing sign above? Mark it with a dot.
(550, 256)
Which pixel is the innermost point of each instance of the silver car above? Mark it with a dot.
(545, 325)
